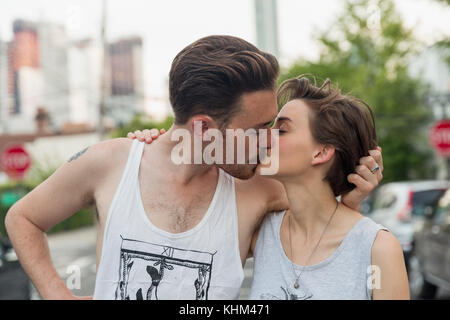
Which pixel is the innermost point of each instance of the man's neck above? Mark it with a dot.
(184, 173)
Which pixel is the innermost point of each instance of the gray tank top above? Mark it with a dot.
(346, 274)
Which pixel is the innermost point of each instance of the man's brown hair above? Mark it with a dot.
(338, 120)
(210, 75)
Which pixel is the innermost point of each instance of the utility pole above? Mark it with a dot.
(267, 26)
(103, 73)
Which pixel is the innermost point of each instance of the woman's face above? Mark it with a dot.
(298, 151)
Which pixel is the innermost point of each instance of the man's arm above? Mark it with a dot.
(255, 197)
(71, 188)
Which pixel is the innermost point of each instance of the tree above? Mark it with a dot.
(366, 53)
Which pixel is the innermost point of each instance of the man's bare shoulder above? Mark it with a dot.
(112, 150)
(100, 160)
(117, 147)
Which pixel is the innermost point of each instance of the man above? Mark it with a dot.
(167, 230)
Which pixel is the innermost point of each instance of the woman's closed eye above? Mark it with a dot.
(282, 128)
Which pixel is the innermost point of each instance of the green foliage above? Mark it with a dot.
(369, 61)
(82, 218)
(141, 122)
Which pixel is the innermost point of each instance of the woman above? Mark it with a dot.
(320, 249)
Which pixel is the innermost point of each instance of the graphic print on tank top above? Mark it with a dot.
(157, 263)
(301, 293)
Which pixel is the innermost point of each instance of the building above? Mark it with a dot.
(125, 92)
(4, 96)
(53, 61)
(37, 77)
(124, 81)
(23, 80)
(41, 72)
(267, 26)
(84, 68)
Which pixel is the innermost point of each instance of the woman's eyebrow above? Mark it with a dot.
(283, 119)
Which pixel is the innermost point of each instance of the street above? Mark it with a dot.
(76, 249)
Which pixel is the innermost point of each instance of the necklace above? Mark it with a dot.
(296, 284)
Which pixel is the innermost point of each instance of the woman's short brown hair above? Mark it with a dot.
(338, 120)
(211, 74)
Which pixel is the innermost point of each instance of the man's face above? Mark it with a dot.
(258, 109)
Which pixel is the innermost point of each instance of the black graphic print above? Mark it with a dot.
(151, 271)
(302, 293)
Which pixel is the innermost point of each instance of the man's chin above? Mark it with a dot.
(240, 172)
(247, 174)
(260, 169)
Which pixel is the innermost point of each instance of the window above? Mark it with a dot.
(384, 200)
(424, 199)
(442, 215)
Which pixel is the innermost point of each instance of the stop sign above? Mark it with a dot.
(15, 161)
(440, 137)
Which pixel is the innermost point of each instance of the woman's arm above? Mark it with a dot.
(388, 260)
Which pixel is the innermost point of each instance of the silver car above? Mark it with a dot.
(402, 206)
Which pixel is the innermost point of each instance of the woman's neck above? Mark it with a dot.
(311, 206)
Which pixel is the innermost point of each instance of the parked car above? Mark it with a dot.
(366, 207)
(14, 282)
(401, 207)
(429, 263)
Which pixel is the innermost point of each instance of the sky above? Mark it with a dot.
(167, 26)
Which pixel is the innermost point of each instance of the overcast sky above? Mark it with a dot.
(167, 26)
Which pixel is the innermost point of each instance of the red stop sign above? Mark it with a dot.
(15, 162)
(440, 137)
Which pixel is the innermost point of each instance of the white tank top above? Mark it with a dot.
(141, 261)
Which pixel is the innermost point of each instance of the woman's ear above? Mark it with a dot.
(323, 154)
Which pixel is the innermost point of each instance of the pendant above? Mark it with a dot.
(296, 285)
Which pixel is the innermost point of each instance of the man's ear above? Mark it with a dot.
(323, 154)
(200, 124)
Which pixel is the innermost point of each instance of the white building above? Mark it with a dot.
(30, 96)
(84, 65)
(53, 63)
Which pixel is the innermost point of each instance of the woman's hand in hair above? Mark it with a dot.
(147, 135)
(364, 180)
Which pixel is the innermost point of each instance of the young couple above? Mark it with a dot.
(184, 231)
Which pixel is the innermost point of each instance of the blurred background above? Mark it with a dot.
(73, 73)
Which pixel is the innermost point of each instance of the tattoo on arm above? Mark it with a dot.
(78, 154)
